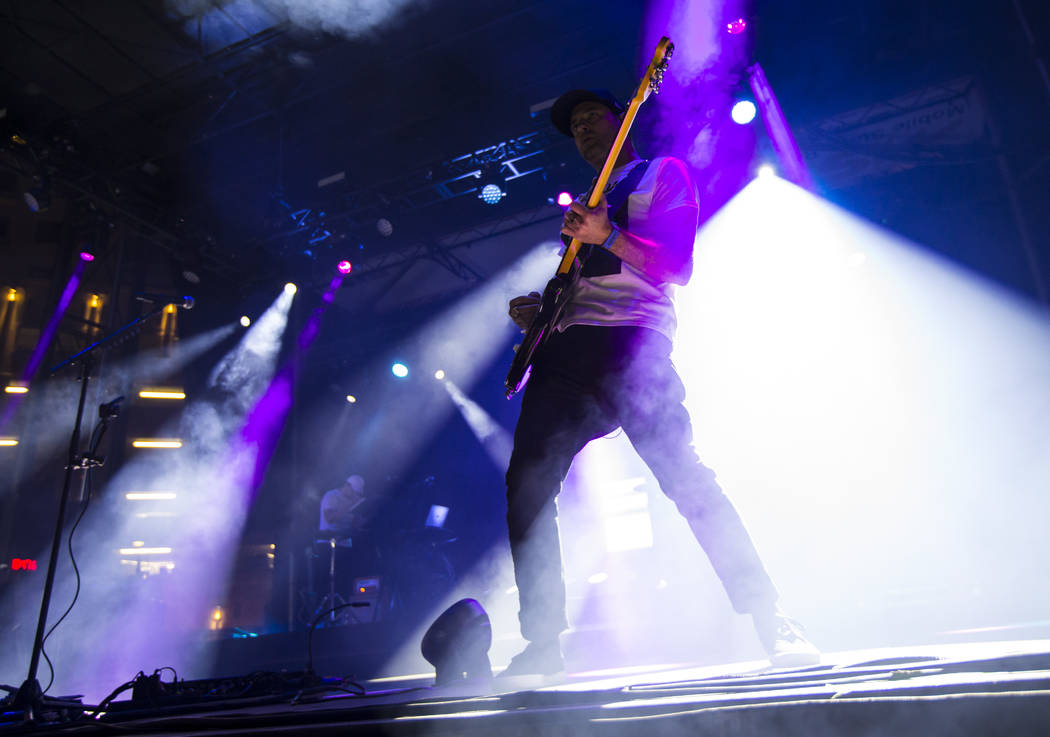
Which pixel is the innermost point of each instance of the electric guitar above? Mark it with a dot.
(559, 289)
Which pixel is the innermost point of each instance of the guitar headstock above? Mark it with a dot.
(654, 75)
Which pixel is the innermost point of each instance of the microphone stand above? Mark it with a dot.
(30, 698)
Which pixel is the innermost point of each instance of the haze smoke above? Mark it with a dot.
(703, 77)
(348, 18)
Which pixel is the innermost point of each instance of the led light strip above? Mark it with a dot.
(162, 394)
(156, 443)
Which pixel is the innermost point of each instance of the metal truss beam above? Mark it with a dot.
(426, 186)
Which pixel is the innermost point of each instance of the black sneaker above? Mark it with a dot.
(784, 641)
(537, 659)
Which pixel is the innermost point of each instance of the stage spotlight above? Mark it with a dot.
(766, 171)
(564, 199)
(439, 374)
(457, 643)
(245, 321)
(351, 399)
(87, 256)
(491, 194)
(344, 267)
(736, 27)
(399, 370)
(743, 112)
(290, 288)
(385, 227)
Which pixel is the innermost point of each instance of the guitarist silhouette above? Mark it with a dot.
(602, 362)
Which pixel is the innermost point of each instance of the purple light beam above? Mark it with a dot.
(46, 336)
(263, 426)
(784, 143)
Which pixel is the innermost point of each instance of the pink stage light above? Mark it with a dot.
(87, 256)
(564, 199)
(737, 26)
(344, 267)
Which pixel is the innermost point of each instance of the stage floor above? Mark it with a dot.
(986, 688)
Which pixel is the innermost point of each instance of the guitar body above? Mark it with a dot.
(559, 289)
(555, 296)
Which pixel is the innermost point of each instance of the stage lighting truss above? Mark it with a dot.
(341, 208)
(88, 187)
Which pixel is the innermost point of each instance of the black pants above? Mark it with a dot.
(586, 382)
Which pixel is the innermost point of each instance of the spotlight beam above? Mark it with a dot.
(208, 475)
(845, 357)
(264, 423)
(493, 437)
(464, 339)
(29, 697)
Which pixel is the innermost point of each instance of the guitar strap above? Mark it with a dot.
(617, 196)
(595, 260)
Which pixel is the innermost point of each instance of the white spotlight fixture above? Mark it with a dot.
(439, 374)
(491, 194)
(743, 112)
(351, 399)
(399, 370)
(290, 288)
(766, 171)
(245, 321)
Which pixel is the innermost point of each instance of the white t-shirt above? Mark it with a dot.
(624, 295)
(337, 510)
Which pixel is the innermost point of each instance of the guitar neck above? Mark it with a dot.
(650, 82)
(614, 154)
(603, 179)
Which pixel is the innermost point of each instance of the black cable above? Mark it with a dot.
(174, 675)
(310, 633)
(50, 667)
(114, 694)
(96, 438)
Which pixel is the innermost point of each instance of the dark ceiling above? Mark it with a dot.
(205, 125)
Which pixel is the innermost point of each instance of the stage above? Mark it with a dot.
(968, 689)
(271, 297)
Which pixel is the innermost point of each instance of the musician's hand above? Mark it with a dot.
(523, 309)
(587, 225)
